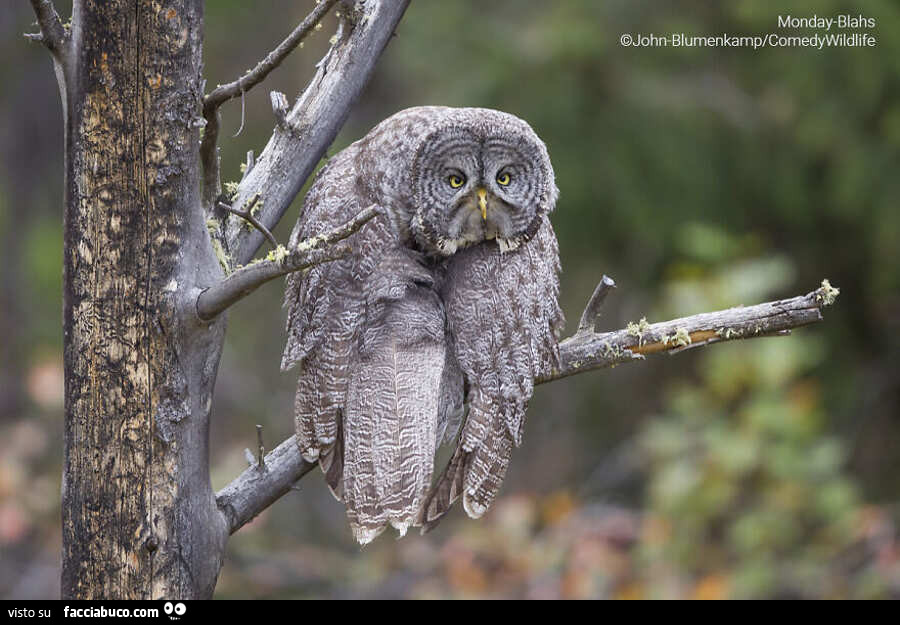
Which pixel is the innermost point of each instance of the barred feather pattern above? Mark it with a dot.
(504, 321)
(391, 420)
(437, 323)
(325, 312)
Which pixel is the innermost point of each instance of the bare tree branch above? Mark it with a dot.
(222, 93)
(256, 489)
(247, 213)
(53, 34)
(244, 280)
(592, 310)
(588, 351)
(308, 129)
(252, 492)
(280, 261)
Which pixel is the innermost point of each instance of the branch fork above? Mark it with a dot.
(280, 261)
(247, 213)
(53, 33)
(223, 93)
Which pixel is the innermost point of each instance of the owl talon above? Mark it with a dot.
(311, 454)
(474, 509)
(365, 535)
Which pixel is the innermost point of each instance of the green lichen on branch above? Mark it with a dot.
(311, 243)
(638, 330)
(223, 258)
(278, 254)
(231, 190)
(681, 338)
(827, 294)
(730, 333)
(213, 226)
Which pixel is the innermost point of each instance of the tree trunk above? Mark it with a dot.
(140, 519)
(139, 514)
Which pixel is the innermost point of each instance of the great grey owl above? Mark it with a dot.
(442, 316)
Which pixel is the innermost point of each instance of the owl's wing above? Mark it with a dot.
(504, 321)
(394, 396)
(325, 311)
(326, 308)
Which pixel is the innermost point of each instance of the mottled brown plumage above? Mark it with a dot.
(447, 307)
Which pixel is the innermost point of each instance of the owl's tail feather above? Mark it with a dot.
(478, 419)
(393, 400)
(390, 440)
(320, 394)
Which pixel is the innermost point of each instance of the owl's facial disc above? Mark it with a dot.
(474, 188)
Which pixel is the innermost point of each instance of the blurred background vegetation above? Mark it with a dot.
(699, 178)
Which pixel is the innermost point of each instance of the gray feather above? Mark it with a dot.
(436, 324)
(503, 339)
(393, 399)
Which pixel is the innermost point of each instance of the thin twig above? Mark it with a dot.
(592, 310)
(223, 93)
(261, 464)
(253, 491)
(244, 280)
(297, 145)
(53, 33)
(247, 213)
(243, 98)
(313, 251)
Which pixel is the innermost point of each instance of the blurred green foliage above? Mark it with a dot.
(699, 178)
(741, 463)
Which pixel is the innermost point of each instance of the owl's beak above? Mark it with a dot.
(482, 202)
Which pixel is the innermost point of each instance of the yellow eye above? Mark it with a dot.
(455, 181)
(503, 179)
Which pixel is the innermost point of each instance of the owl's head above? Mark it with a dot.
(480, 175)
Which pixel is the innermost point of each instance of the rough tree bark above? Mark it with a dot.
(152, 261)
(140, 519)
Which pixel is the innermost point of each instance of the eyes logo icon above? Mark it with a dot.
(175, 611)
